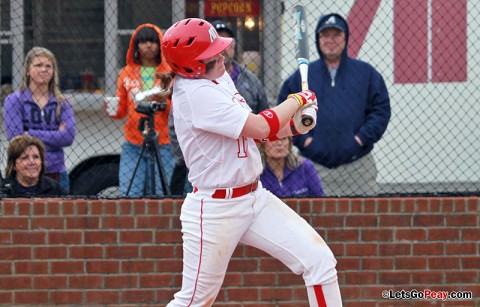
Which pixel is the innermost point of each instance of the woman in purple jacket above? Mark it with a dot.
(287, 174)
(40, 110)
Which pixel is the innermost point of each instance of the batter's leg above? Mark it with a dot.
(211, 231)
(324, 295)
(282, 233)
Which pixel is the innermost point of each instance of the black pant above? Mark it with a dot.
(179, 176)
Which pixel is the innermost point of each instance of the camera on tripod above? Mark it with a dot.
(150, 107)
(146, 104)
(147, 107)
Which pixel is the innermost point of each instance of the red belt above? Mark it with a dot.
(234, 192)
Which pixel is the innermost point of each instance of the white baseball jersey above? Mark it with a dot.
(208, 131)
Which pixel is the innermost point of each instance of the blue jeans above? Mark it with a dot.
(61, 178)
(141, 182)
(64, 181)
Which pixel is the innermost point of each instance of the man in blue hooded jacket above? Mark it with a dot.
(353, 113)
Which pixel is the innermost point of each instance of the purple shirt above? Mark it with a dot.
(235, 72)
(22, 115)
(303, 181)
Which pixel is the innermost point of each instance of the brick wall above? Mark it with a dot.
(128, 252)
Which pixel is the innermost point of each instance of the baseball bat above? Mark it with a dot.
(301, 52)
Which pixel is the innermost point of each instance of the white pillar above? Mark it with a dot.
(18, 54)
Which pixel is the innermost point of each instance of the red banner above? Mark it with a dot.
(225, 8)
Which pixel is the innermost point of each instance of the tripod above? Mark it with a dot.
(150, 143)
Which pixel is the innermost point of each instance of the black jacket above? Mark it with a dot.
(46, 187)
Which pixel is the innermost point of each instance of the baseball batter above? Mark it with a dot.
(216, 132)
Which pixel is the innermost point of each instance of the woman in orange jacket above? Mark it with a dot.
(144, 59)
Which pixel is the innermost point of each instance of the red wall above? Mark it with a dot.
(128, 252)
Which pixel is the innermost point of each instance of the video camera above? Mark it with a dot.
(147, 107)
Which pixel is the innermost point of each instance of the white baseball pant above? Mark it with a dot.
(212, 228)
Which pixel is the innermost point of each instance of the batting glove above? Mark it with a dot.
(304, 98)
(296, 123)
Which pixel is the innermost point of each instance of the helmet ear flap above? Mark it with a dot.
(193, 71)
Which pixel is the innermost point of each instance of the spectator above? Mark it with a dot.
(353, 113)
(143, 60)
(25, 170)
(287, 174)
(180, 186)
(40, 110)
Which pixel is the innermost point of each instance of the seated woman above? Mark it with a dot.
(25, 170)
(287, 174)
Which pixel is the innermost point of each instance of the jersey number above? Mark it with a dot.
(242, 147)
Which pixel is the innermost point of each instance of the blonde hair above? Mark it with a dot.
(292, 161)
(53, 85)
(15, 149)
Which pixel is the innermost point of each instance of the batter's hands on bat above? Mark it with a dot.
(304, 98)
(310, 111)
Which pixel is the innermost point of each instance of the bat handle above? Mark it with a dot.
(304, 85)
(307, 120)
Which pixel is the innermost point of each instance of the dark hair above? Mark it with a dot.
(146, 34)
(221, 26)
(15, 149)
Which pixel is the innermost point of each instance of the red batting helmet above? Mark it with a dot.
(187, 42)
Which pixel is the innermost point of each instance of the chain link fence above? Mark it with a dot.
(426, 50)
